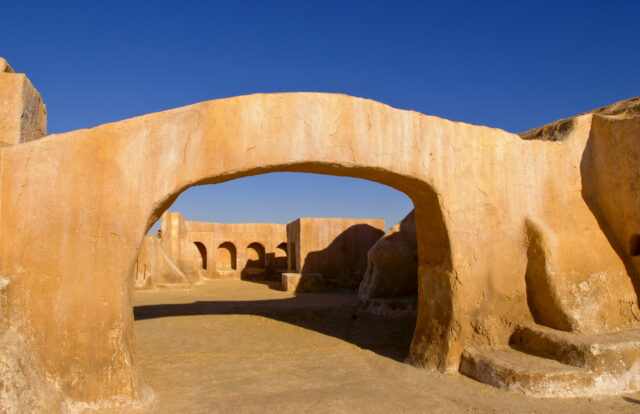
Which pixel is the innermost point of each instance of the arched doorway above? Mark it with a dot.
(281, 257)
(203, 253)
(255, 256)
(226, 257)
(209, 143)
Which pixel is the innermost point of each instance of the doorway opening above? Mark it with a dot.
(226, 257)
(242, 312)
(203, 254)
(281, 257)
(255, 256)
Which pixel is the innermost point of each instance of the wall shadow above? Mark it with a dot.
(262, 268)
(344, 261)
(280, 257)
(330, 314)
(268, 276)
(598, 165)
(253, 274)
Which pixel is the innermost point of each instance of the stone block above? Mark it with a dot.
(23, 115)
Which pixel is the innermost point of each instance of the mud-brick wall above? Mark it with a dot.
(335, 247)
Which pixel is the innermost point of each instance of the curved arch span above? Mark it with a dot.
(130, 172)
(322, 134)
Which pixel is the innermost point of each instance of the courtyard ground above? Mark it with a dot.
(233, 346)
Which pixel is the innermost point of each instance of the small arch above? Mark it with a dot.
(634, 245)
(226, 256)
(281, 256)
(203, 253)
(255, 256)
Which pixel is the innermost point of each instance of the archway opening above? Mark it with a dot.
(255, 256)
(226, 258)
(203, 253)
(324, 312)
(280, 257)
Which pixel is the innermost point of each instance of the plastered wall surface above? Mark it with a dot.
(334, 247)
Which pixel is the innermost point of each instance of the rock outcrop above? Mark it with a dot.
(560, 129)
(390, 284)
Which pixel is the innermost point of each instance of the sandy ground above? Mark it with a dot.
(243, 347)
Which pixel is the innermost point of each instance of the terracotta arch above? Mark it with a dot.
(114, 181)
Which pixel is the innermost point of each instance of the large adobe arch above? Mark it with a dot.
(76, 206)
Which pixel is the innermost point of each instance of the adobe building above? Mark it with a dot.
(335, 248)
(231, 251)
(169, 261)
(186, 252)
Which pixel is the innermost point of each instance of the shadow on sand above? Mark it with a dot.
(330, 313)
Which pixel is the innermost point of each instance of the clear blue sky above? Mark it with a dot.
(507, 64)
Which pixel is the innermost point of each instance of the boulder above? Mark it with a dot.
(392, 267)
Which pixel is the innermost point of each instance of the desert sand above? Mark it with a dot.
(244, 347)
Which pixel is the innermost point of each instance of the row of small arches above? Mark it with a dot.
(226, 256)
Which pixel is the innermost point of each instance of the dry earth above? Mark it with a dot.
(241, 347)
